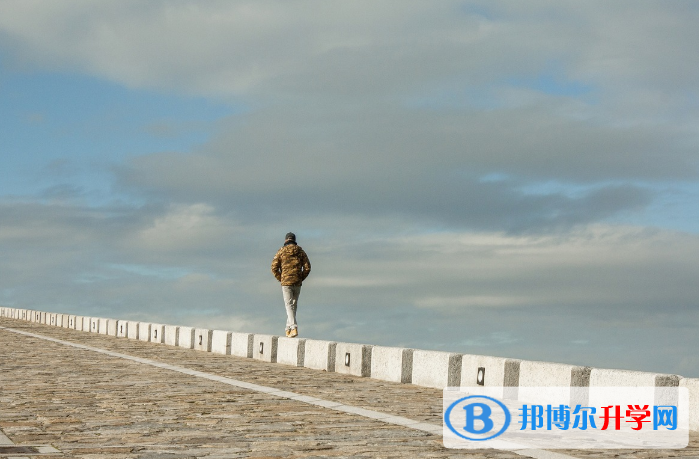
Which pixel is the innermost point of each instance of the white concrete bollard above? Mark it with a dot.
(122, 328)
(436, 369)
(242, 344)
(103, 326)
(202, 339)
(319, 355)
(291, 351)
(554, 383)
(265, 348)
(353, 359)
(653, 385)
(692, 385)
(393, 364)
(144, 331)
(221, 342)
(186, 337)
(172, 335)
(94, 325)
(132, 329)
(157, 333)
(492, 376)
(600, 377)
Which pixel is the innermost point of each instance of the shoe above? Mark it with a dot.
(287, 333)
(293, 333)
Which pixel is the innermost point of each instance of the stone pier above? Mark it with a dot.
(66, 393)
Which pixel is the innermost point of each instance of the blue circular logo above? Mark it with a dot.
(484, 416)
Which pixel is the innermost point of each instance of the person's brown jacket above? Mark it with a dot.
(291, 265)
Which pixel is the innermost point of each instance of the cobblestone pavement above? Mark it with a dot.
(92, 405)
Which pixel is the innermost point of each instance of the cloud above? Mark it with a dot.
(189, 228)
(426, 166)
(402, 109)
(360, 48)
(456, 290)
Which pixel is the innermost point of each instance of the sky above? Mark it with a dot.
(517, 179)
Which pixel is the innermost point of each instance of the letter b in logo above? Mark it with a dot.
(483, 416)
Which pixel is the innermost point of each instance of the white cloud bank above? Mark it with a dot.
(450, 290)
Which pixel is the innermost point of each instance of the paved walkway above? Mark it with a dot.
(143, 400)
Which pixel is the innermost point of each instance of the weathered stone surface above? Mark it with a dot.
(221, 342)
(172, 335)
(144, 331)
(241, 344)
(491, 376)
(265, 348)
(436, 369)
(554, 382)
(290, 351)
(319, 355)
(122, 328)
(157, 333)
(393, 364)
(185, 338)
(692, 385)
(132, 329)
(353, 359)
(202, 339)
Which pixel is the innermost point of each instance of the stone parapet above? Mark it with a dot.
(499, 377)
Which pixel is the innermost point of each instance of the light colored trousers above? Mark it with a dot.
(291, 298)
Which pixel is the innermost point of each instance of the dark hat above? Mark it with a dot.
(290, 237)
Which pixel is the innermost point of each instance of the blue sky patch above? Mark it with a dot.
(58, 130)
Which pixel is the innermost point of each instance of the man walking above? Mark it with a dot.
(291, 267)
